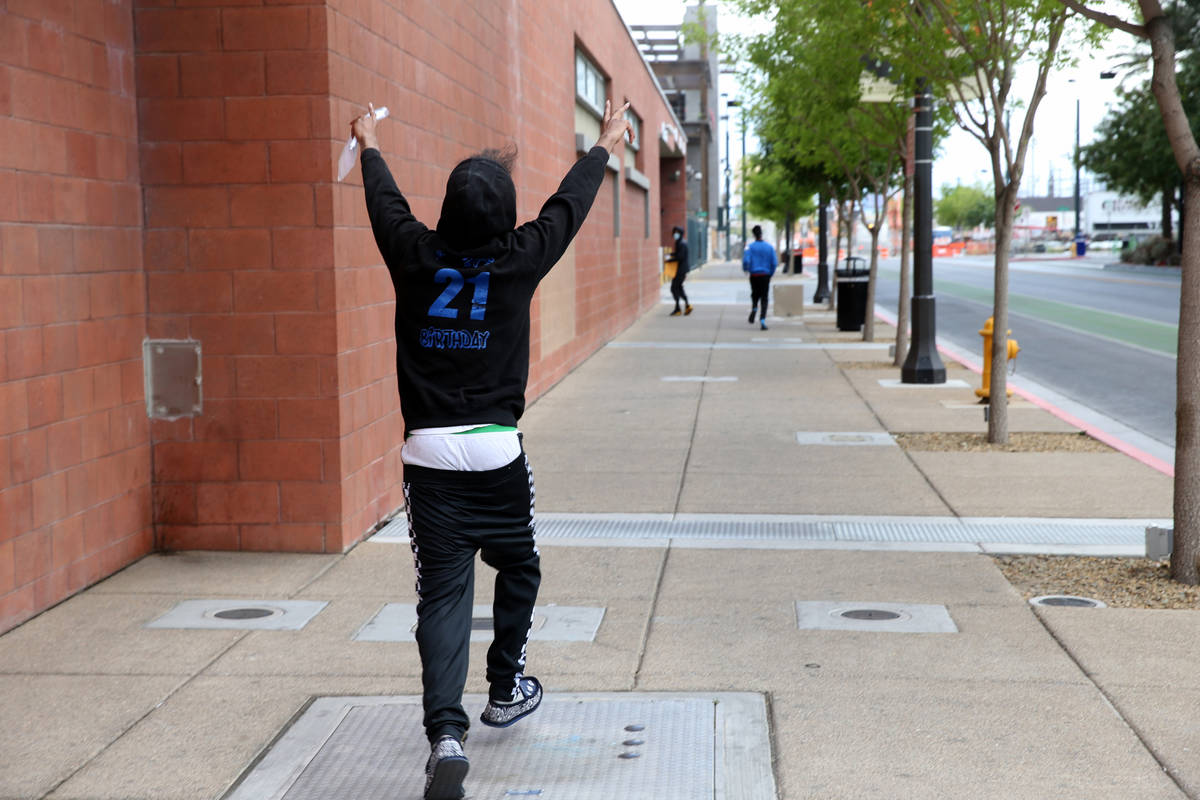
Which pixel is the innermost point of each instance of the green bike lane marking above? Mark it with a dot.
(1157, 336)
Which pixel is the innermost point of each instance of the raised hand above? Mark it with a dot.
(363, 129)
(614, 127)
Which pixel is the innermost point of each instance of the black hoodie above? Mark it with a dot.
(463, 291)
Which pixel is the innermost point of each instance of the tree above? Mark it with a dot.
(1131, 152)
(775, 193)
(965, 206)
(808, 105)
(969, 52)
(1158, 28)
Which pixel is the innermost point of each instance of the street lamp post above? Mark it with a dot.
(741, 119)
(822, 293)
(1076, 239)
(923, 364)
(728, 222)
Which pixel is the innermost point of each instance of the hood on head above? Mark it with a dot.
(480, 204)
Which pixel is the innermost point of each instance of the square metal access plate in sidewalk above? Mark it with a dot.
(248, 615)
(875, 617)
(627, 745)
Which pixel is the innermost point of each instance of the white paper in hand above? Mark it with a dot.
(346, 161)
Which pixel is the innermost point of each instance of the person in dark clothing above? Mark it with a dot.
(462, 362)
(682, 264)
(759, 261)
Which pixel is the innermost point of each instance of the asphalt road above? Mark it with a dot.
(1104, 338)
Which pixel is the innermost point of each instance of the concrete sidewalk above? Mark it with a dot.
(681, 503)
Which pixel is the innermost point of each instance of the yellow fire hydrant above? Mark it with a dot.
(987, 332)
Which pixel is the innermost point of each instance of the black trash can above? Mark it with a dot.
(852, 294)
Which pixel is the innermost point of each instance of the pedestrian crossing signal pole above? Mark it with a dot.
(923, 365)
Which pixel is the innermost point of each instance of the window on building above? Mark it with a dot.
(646, 210)
(589, 83)
(636, 122)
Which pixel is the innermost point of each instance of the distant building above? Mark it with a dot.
(687, 72)
(1120, 215)
(1104, 212)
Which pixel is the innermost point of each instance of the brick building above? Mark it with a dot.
(168, 173)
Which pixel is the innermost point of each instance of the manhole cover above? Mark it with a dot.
(246, 613)
(1067, 600)
(870, 613)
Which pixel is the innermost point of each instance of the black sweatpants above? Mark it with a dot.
(677, 289)
(451, 516)
(760, 290)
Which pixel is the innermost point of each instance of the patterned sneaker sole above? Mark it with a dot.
(448, 778)
(505, 723)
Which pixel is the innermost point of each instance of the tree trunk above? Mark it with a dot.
(787, 244)
(998, 397)
(1185, 559)
(869, 318)
(1168, 210)
(902, 306)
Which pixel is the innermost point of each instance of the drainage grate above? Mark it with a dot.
(873, 617)
(397, 622)
(988, 533)
(250, 615)
(1067, 600)
(689, 746)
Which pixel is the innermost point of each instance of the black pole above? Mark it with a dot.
(728, 221)
(743, 119)
(822, 293)
(923, 365)
(1075, 241)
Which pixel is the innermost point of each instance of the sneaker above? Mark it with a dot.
(527, 696)
(687, 310)
(445, 770)
(675, 313)
(763, 324)
(750, 319)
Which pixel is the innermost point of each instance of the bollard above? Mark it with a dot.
(987, 332)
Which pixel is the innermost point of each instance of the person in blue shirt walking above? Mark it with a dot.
(759, 261)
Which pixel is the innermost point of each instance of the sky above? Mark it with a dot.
(962, 159)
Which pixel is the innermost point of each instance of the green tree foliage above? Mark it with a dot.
(1131, 152)
(965, 206)
(806, 77)
(773, 192)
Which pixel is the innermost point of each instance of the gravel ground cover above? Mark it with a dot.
(1017, 443)
(1119, 582)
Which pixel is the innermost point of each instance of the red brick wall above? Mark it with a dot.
(74, 443)
(183, 187)
(235, 156)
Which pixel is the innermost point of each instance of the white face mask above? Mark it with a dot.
(678, 236)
